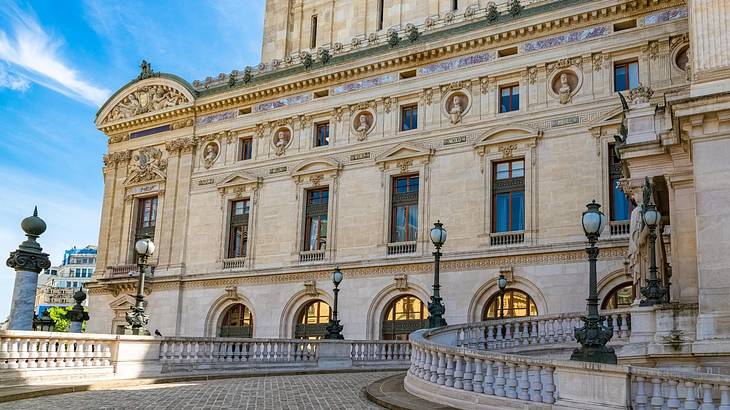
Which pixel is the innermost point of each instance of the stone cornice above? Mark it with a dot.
(223, 279)
(224, 98)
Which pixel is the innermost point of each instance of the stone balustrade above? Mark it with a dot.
(311, 256)
(234, 263)
(47, 350)
(506, 238)
(661, 389)
(400, 248)
(380, 351)
(620, 228)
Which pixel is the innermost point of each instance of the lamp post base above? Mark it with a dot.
(436, 309)
(653, 293)
(595, 354)
(334, 330)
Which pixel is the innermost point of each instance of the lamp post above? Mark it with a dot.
(653, 292)
(334, 328)
(502, 283)
(593, 335)
(137, 319)
(436, 308)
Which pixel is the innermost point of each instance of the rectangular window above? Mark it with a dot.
(625, 76)
(509, 98)
(246, 149)
(508, 192)
(313, 37)
(322, 134)
(404, 224)
(238, 229)
(409, 117)
(454, 4)
(381, 14)
(315, 230)
(146, 217)
(620, 205)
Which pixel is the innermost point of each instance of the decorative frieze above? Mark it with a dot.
(364, 84)
(283, 102)
(665, 16)
(458, 62)
(217, 117)
(572, 37)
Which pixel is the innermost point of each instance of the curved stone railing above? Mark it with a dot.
(535, 330)
(41, 350)
(462, 366)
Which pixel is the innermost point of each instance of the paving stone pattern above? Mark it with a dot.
(321, 391)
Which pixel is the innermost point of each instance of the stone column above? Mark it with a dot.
(77, 314)
(710, 41)
(28, 261)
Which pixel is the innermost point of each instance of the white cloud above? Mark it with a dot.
(12, 81)
(32, 51)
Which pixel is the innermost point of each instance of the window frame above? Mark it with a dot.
(495, 299)
(313, 32)
(234, 223)
(614, 175)
(388, 330)
(626, 64)
(140, 230)
(512, 87)
(326, 140)
(317, 329)
(408, 203)
(310, 214)
(413, 109)
(246, 142)
(517, 187)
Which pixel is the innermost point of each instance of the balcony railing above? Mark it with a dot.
(234, 263)
(311, 256)
(120, 270)
(620, 228)
(506, 238)
(400, 248)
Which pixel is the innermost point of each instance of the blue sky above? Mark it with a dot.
(59, 61)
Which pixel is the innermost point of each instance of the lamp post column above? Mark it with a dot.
(137, 318)
(334, 328)
(28, 261)
(653, 292)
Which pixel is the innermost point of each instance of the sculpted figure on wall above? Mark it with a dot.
(564, 91)
(637, 238)
(564, 85)
(281, 140)
(363, 123)
(456, 105)
(145, 100)
(146, 165)
(210, 154)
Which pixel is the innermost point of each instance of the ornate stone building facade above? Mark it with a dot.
(368, 121)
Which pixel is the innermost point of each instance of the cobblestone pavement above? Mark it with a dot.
(320, 391)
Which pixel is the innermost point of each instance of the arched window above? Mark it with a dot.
(516, 304)
(312, 320)
(402, 316)
(620, 296)
(237, 322)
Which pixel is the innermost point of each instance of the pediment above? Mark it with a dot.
(611, 119)
(404, 151)
(125, 302)
(507, 133)
(238, 179)
(151, 96)
(321, 165)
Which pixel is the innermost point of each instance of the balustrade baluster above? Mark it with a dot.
(33, 353)
(690, 403)
(499, 381)
(533, 332)
(542, 331)
(640, 400)
(724, 397)
(523, 384)
(517, 335)
(511, 389)
(22, 354)
(673, 396)
(425, 373)
(707, 403)
(459, 372)
(657, 399)
(535, 384)
(445, 373)
(468, 373)
(86, 360)
(558, 330)
(4, 355)
(548, 383)
(435, 363)
(478, 379)
(490, 337)
(488, 385)
(42, 354)
(499, 342)
(508, 335)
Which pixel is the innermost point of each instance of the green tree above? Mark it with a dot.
(59, 314)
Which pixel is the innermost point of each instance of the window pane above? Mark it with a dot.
(504, 101)
(619, 77)
(322, 233)
(401, 185)
(502, 213)
(400, 224)
(412, 222)
(502, 170)
(414, 118)
(633, 75)
(518, 211)
(518, 169)
(313, 230)
(412, 184)
(515, 98)
(620, 211)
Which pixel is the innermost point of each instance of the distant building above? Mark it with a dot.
(57, 284)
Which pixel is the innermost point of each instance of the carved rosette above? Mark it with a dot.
(22, 260)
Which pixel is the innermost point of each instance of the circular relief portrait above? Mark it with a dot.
(281, 139)
(363, 122)
(210, 153)
(456, 105)
(564, 85)
(682, 58)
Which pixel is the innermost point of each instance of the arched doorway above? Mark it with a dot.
(312, 320)
(403, 315)
(516, 304)
(619, 297)
(237, 322)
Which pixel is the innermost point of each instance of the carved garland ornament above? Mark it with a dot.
(145, 100)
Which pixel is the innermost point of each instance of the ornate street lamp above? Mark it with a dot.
(436, 308)
(593, 336)
(502, 283)
(137, 319)
(653, 292)
(334, 328)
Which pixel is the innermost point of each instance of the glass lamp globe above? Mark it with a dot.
(337, 276)
(651, 215)
(593, 220)
(144, 247)
(502, 282)
(438, 234)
